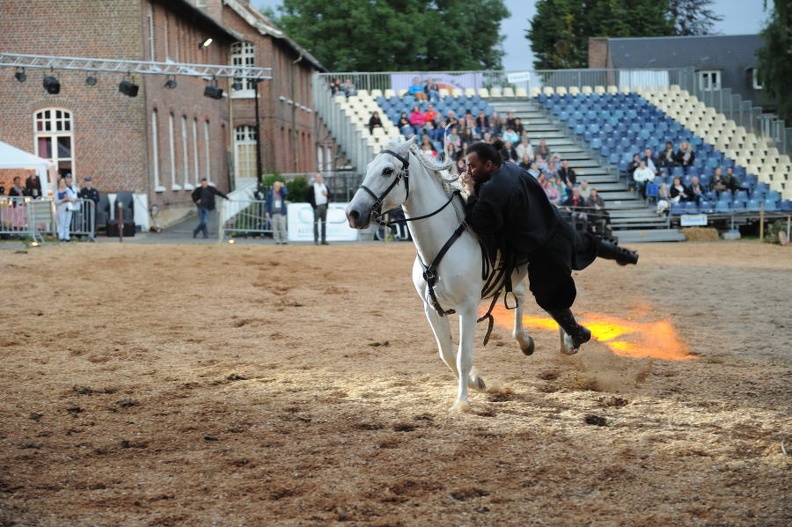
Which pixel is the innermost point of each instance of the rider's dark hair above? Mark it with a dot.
(486, 152)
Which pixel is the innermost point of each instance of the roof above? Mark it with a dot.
(700, 52)
(13, 157)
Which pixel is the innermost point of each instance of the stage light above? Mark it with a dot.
(20, 75)
(91, 80)
(170, 83)
(212, 91)
(52, 85)
(205, 43)
(237, 84)
(128, 88)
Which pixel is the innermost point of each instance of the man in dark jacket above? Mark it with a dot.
(508, 206)
(204, 198)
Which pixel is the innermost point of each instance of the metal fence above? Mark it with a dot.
(244, 218)
(26, 218)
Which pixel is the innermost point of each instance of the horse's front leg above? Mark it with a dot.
(468, 377)
(441, 328)
(523, 338)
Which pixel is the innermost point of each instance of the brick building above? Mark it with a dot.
(160, 143)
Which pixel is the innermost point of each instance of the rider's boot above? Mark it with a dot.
(575, 335)
(610, 251)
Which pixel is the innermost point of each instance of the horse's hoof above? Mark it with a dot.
(529, 348)
(460, 407)
(477, 383)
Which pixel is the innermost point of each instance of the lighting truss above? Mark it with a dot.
(208, 71)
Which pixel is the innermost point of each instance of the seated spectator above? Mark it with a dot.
(349, 88)
(453, 143)
(575, 208)
(550, 171)
(451, 117)
(585, 190)
(717, 184)
(511, 136)
(534, 171)
(550, 192)
(509, 153)
(663, 199)
(518, 127)
(427, 146)
(695, 189)
(541, 163)
(543, 150)
(636, 161)
(651, 162)
(431, 115)
(416, 90)
(525, 162)
(404, 125)
(335, 86)
(567, 175)
(499, 126)
(417, 119)
(642, 176)
(374, 122)
(482, 122)
(731, 181)
(432, 90)
(598, 216)
(679, 192)
(460, 165)
(525, 148)
(666, 157)
(684, 156)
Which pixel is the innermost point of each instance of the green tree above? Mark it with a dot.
(692, 17)
(398, 35)
(560, 30)
(775, 57)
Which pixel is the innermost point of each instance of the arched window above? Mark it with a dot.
(245, 151)
(243, 55)
(54, 138)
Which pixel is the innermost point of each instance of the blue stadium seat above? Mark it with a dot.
(752, 205)
(770, 205)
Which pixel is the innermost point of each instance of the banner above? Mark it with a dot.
(300, 223)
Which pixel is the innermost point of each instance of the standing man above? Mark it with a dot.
(318, 197)
(204, 198)
(275, 209)
(89, 192)
(33, 186)
(507, 206)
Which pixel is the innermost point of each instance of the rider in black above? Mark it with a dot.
(507, 205)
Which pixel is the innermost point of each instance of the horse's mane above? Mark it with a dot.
(440, 169)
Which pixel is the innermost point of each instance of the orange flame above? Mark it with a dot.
(657, 340)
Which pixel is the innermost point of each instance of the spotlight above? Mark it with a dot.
(91, 80)
(52, 85)
(128, 88)
(20, 75)
(170, 83)
(212, 91)
(237, 84)
(205, 43)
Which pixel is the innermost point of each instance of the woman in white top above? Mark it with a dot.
(65, 198)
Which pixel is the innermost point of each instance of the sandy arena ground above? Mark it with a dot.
(255, 385)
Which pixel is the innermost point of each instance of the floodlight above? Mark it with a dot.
(52, 85)
(20, 75)
(128, 88)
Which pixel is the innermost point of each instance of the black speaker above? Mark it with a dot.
(128, 88)
(213, 92)
(52, 85)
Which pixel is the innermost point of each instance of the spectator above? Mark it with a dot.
(717, 183)
(432, 90)
(431, 115)
(427, 146)
(335, 87)
(679, 192)
(404, 125)
(651, 162)
(696, 191)
(498, 125)
(374, 122)
(204, 198)
(525, 148)
(567, 175)
(684, 156)
(17, 190)
(451, 117)
(642, 176)
(416, 90)
(599, 219)
(663, 199)
(574, 206)
(585, 190)
(633, 165)
(89, 191)
(518, 127)
(349, 88)
(319, 197)
(275, 209)
(550, 170)
(511, 136)
(65, 197)
(550, 191)
(18, 212)
(417, 119)
(33, 186)
(731, 181)
(666, 157)
(460, 165)
(534, 171)
(543, 150)
(453, 143)
(525, 162)
(508, 152)
(482, 122)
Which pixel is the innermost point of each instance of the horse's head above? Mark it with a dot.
(385, 186)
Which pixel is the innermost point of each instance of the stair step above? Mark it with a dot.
(648, 235)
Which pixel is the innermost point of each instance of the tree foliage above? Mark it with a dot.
(560, 30)
(692, 17)
(775, 57)
(398, 35)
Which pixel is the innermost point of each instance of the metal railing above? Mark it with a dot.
(28, 218)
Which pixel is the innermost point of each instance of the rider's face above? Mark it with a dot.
(478, 170)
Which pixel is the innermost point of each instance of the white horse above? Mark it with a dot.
(449, 270)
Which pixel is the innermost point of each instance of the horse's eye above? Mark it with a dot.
(387, 172)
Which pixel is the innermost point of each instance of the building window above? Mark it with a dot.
(54, 138)
(185, 154)
(155, 168)
(245, 151)
(243, 55)
(207, 153)
(172, 144)
(709, 80)
(196, 174)
(756, 81)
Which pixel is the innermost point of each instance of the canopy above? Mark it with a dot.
(14, 158)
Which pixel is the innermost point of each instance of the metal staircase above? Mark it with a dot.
(632, 219)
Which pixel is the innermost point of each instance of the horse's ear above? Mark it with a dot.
(405, 146)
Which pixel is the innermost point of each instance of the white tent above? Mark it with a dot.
(12, 157)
